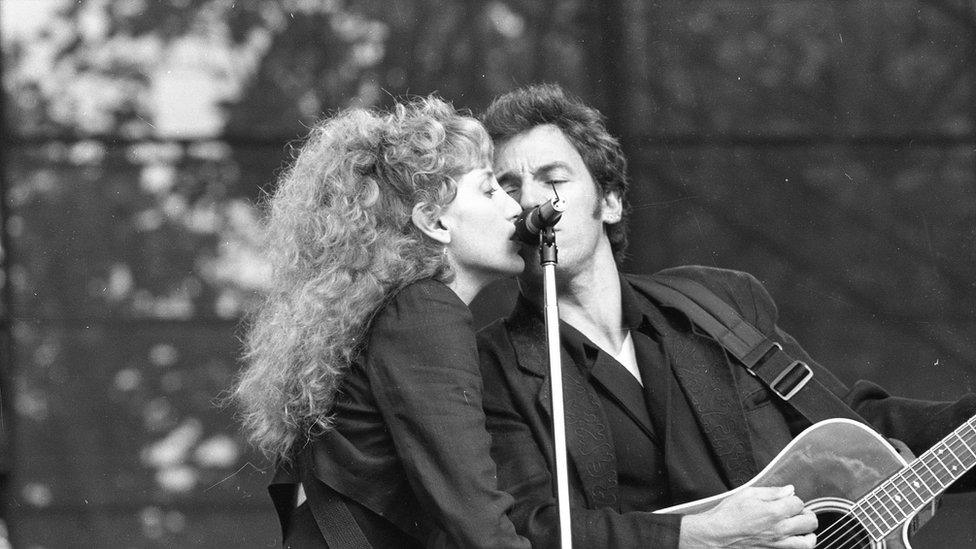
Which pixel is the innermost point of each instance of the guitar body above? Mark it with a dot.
(832, 465)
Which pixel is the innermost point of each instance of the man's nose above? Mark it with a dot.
(533, 195)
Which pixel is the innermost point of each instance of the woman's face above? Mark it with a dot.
(481, 223)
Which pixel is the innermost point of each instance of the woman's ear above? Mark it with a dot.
(427, 218)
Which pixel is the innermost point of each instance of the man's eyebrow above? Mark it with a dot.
(552, 166)
(545, 169)
(508, 177)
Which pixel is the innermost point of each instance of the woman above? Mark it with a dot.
(362, 377)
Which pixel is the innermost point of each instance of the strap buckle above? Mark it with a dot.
(792, 386)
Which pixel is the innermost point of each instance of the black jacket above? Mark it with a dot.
(409, 451)
(741, 425)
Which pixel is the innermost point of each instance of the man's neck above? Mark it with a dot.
(592, 305)
(590, 301)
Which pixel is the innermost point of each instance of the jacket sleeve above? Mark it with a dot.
(522, 446)
(918, 423)
(422, 365)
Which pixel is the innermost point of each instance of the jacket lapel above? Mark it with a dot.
(588, 440)
(624, 389)
(705, 379)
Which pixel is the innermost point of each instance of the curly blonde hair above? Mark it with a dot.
(341, 242)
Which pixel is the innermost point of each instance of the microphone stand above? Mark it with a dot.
(548, 261)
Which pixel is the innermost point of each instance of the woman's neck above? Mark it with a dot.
(466, 285)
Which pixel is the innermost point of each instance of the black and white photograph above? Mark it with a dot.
(504, 274)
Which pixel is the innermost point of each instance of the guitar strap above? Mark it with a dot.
(790, 379)
(335, 521)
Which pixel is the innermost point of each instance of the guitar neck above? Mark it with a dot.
(900, 497)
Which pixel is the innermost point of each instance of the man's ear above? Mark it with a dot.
(612, 209)
(427, 218)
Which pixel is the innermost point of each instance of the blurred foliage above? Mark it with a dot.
(825, 146)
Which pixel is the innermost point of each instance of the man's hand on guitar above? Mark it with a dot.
(752, 517)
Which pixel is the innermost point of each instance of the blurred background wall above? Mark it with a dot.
(828, 147)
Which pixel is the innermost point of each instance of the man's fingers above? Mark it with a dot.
(772, 493)
(807, 541)
(797, 525)
(789, 506)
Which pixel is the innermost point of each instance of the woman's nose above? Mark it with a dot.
(511, 207)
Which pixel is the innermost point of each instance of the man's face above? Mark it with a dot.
(536, 165)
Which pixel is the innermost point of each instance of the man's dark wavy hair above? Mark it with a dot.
(522, 109)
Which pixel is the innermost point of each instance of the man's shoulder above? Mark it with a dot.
(524, 318)
(493, 331)
(737, 288)
(515, 338)
(703, 274)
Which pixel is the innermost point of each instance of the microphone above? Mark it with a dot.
(531, 223)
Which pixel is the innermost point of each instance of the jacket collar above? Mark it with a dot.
(578, 351)
(702, 372)
(588, 440)
(705, 378)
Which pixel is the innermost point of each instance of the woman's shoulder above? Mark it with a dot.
(426, 301)
(427, 288)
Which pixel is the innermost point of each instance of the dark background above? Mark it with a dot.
(828, 147)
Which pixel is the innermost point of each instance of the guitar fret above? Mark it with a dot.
(914, 483)
(950, 468)
(881, 518)
(971, 424)
(920, 482)
(891, 504)
(966, 445)
(935, 477)
(867, 521)
(902, 499)
(970, 437)
(865, 506)
(956, 469)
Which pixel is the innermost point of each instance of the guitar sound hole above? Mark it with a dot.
(838, 530)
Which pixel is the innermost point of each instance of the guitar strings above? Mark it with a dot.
(849, 522)
(849, 534)
(850, 527)
(847, 527)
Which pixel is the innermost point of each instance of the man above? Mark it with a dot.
(657, 413)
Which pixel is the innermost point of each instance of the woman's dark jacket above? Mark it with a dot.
(409, 452)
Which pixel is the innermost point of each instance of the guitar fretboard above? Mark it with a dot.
(897, 499)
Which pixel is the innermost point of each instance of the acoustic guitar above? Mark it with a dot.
(864, 493)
